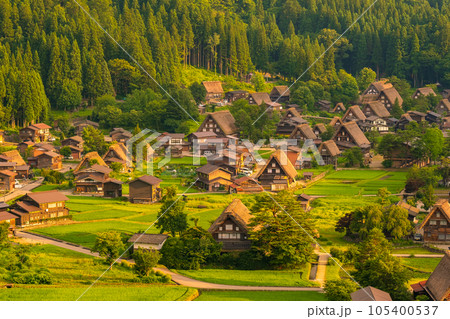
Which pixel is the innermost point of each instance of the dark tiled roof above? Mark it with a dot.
(154, 239)
(48, 197)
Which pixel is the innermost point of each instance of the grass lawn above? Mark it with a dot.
(100, 293)
(96, 214)
(260, 296)
(356, 182)
(423, 264)
(298, 277)
(414, 251)
(44, 188)
(73, 272)
(332, 271)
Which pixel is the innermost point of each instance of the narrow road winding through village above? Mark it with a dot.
(177, 278)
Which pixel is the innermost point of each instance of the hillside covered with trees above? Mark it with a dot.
(52, 55)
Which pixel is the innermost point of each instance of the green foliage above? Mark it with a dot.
(109, 245)
(4, 230)
(94, 140)
(198, 92)
(193, 249)
(339, 290)
(376, 267)
(276, 237)
(365, 77)
(116, 167)
(353, 157)
(145, 260)
(171, 216)
(65, 151)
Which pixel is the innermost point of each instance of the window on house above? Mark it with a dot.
(441, 236)
(225, 236)
(443, 222)
(438, 214)
(237, 228)
(220, 228)
(432, 222)
(229, 227)
(274, 164)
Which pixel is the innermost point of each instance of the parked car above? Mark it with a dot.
(69, 157)
(17, 185)
(417, 237)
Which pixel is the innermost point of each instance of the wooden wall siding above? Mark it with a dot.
(437, 228)
(210, 125)
(141, 190)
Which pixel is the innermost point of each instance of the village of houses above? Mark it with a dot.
(39, 212)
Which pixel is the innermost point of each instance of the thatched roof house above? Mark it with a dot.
(259, 98)
(370, 294)
(91, 157)
(353, 113)
(231, 227)
(438, 285)
(222, 123)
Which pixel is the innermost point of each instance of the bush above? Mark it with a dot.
(386, 163)
(154, 277)
(41, 277)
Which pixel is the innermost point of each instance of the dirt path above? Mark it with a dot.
(177, 278)
(27, 188)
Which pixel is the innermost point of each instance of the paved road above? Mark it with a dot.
(177, 278)
(27, 188)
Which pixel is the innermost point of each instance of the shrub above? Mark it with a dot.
(41, 277)
(386, 163)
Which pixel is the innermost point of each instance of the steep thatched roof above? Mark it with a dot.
(284, 162)
(424, 91)
(438, 285)
(445, 103)
(355, 132)
(355, 112)
(336, 121)
(320, 127)
(119, 150)
(338, 106)
(261, 97)
(305, 130)
(290, 113)
(281, 90)
(392, 95)
(226, 121)
(85, 162)
(237, 211)
(370, 294)
(378, 109)
(14, 156)
(443, 206)
(331, 147)
(213, 86)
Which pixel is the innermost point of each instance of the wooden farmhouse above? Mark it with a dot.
(120, 135)
(436, 225)
(412, 211)
(174, 141)
(49, 160)
(222, 123)
(374, 123)
(280, 94)
(324, 105)
(350, 135)
(112, 188)
(88, 160)
(245, 184)
(40, 148)
(117, 153)
(278, 173)
(336, 122)
(425, 91)
(36, 133)
(305, 201)
(233, 96)
(213, 178)
(145, 190)
(22, 147)
(80, 125)
(259, 98)
(40, 207)
(370, 294)
(339, 108)
(403, 122)
(375, 108)
(329, 152)
(147, 241)
(91, 179)
(289, 121)
(354, 113)
(443, 107)
(302, 133)
(437, 287)
(319, 129)
(12, 157)
(76, 146)
(231, 227)
(231, 161)
(7, 180)
(214, 91)
(381, 91)
(200, 137)
(433, 118)
(6, 216)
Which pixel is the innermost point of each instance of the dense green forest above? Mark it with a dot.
(52, 55)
